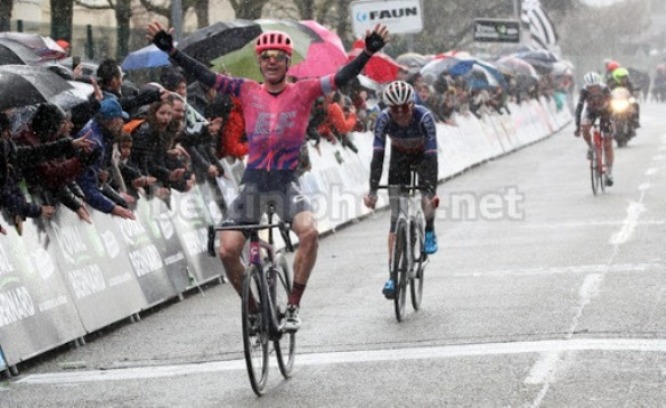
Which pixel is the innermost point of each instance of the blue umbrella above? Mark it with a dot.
(146, 57)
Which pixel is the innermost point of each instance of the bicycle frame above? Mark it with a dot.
(406, 266)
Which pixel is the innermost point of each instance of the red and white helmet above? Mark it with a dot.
(274, 40)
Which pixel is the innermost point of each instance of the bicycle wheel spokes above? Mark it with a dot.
(419, 267)
(255, 331)
(285, 344)
(399, 270)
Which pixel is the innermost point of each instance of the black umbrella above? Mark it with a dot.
(12, 52)
(22, 85)
(219, 39)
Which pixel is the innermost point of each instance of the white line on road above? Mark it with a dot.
(633, 214)
(651, 171)
(573, 269)
(365, 356)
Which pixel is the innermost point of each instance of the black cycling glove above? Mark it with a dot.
(374, 42)
(163, 41)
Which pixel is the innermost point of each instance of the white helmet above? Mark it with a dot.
(592, 78)
(398, 93)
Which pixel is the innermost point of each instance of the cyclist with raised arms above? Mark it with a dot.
(593, 103)
(413, 135)
(276, 117)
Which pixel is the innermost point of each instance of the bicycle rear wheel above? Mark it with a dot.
(399, 269)
(285, 344)
(418, 252)
(255, 331)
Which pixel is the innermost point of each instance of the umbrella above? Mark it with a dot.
(12, 52)
(45, 47)
(480, 77)
(243, 61)
(380, 67)
(522, 71)
(450, 65)
(79, 93)
(22, 85)
(146, 57)
(323, 57)
(219, 39)
(412, 59)
(541, 60)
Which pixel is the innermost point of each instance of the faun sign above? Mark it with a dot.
(399, 16)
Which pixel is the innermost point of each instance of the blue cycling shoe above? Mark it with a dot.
(389, 289)
(430, 242)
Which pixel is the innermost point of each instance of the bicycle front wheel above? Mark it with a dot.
(285, 344)
(255, 330)
(399, 269)
(594, 178)
(418, 252)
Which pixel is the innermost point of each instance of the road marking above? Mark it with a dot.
(363, 356)
(574, 269)
(629, 226)
(652, 171)
(658, 157)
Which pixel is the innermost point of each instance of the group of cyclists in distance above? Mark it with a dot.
(594, 102)
(276, 116)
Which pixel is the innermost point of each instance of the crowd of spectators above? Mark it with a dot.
(126, 142)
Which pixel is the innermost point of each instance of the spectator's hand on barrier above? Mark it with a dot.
(370, 200)
(83, 214)
(212, 171)
(376, 39)
(127, 197)
(162, 193)
(48, 211)
(122, 212)
(176, 174)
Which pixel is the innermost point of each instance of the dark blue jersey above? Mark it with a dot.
(419, 136)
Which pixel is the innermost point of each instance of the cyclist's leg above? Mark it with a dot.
(243, 210)
(607, 134)
(427, 171)
(294, 207)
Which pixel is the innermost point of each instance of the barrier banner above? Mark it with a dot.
(93, 262)
(37, 312)
(154, 251)
(191, 220)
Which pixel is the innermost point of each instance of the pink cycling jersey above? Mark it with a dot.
(275, 124)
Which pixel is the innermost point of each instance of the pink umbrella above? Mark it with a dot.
(323, 57)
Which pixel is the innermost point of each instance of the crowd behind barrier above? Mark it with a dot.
(63, 278)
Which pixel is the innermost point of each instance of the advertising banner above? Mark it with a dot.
(399, 16)
(191, 219)
(37, 312)
(154, 250)
(95, 266)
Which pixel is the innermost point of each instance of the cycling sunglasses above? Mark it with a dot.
(280, 56)
(404, 108)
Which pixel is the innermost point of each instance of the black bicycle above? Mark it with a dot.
(266, 288)
(409, 258)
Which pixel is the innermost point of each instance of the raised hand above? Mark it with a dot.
(376, 39)
(162, 38)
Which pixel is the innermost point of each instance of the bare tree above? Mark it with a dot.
(6, 7)
(123, 12)
(248, 9)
